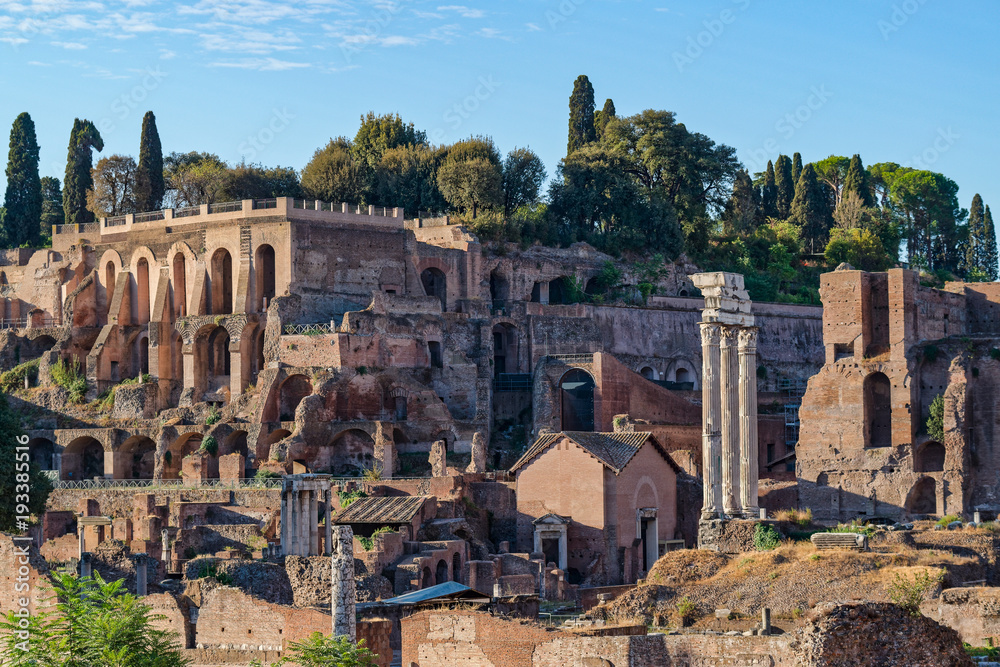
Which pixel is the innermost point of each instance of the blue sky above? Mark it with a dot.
(269, 81)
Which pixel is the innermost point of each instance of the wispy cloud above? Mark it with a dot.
(70, 46)
(463, 11)
(262, 64)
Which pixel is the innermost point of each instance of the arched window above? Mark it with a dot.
(922, 498)
(264, 267)
(435, 284)
(441, 572)
(648, 373)
(222, 283)
(577, 390)
(878, 411)
(142, 292)
(180, 285)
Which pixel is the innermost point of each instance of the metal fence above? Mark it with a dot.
(41, 323)
(309, 329)
(505, 382)
(149, 217)
(226, 207)
(117, 221)
(248, 483)
(187, 211)
(264, 203)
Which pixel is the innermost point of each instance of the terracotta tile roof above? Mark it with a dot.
(383, 510)
(614, 450)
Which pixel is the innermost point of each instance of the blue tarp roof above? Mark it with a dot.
(447, 589)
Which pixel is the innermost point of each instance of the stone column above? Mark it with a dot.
(165, 539)
(710, 390)
(285, 518)
(140, 574)
(730, 421)
(342, 602)
(86, 564)
(328, 542)
(749, 448)
(303, 523)
(81, 531)
(563, 549)
(314, 523)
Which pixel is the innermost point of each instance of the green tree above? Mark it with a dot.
(471, 184)
(16, 464)
(52, 211)
(935, 418)
(379, 133)
(254, 181)
(581, 115)
(809, 209)
(194, 178)
(603, 117)
(784, 186)
(927, 204)
(113, 192)
(407, 177)
(90, 623)
(334, 175)
(831, 172)
(79, 164)
(149, 183)
(990, 261)
(860, 248)
(856, 181)
(796, 167)
(523, 175)
(327, 651)
(769, 194)
(23, 199)
(976, 247)
(880, 178)
(743, 208)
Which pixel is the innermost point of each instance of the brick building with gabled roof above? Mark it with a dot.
(615, 495)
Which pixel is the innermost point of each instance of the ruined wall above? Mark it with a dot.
(228, 618)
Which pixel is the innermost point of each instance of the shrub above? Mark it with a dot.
(765, 537)
(322, 651)
(210, 571)
(907, 594)
(368, 543)
(687, 610)
(945, 520)
(69, 377)
(213, 416)
(13, 379)
(264, 474)
(348, 497)
(853, 527)
(209, 445)
(935, 421)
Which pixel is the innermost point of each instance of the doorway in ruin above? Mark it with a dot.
(577, 401)
(878, 411)
(293, 390)
(83, 459)
(219, 359)
(435, 284)
(264, 265)
(456, 567)
(138, 458)
(922, 498)
(352, 453)
(140, 311)
(929, 457)
(441, 572)
(221, 294)
(505, 352)
(180, 285)
(109, 288)
(42, 451)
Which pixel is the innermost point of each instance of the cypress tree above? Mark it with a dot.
(784, 185)
(149, 185)
(809, 209)
(79, 163)
(603, 117)
(769, 194)
(796, 167)
(856, 181)
(581, 115)
(975, 246)
(52, 210)
(990, 257)
(743, 207)
(23, 200)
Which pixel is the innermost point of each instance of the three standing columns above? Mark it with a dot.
(302, 496)
(729, 420)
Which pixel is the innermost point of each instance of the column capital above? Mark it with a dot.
(710, 333)
(748, 338)
(728, 336)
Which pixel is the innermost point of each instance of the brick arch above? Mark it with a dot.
(143, 287)
(688, 365)
(232, 246)
(182, 281)
(643, 483)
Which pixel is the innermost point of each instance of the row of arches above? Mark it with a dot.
(441, 573)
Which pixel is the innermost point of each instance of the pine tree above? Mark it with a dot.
(809, 209)
(23, 200)
(603, 117)
(856, 181)
(769, 194)
(79, 163)
(581, 115)
(990, 257)
(742, 209)
(784, 186)
(149, 185)
(796, 167)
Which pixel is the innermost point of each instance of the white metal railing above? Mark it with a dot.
(226, 207)
(187, 211)
(149, 217)
(117, 221)
(264, 203)
(309, 329)
(247, 483)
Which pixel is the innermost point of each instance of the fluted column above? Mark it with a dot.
(710, 405)
(328, 527)
(303, 523)
(749, 448)
(314, 522)
(730, 421)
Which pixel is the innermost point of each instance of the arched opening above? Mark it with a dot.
(236, 443)
(648, 373)
(141, 311)
(218, 354)
(258, 354)
(83, 459)
(293, 390)
(878, 411)
(186, 444)
(456, 567)
(398, 438)
(441, 572)
(499, 290)
(352, 453)
(425, 579)
(177, 357)
(42, 452)
(577, 389)
(929, 457)
(434, 352)
(922, 498)
(396, 402)
(435, 284)
(109, 285)
(557, 291)
(264, 265)
(682, 375)
(222, 283)
(140, 356)
(180, 285)
(138, 458)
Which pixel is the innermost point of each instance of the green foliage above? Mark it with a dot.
(19, 471)
(213, 416)
(407, 177)
(581, 115)
(209, 445)
(265, 474)
(769, 194)
(23, 199)
(368, 543)
(471, 176)
(744, 208)
(853, 527)
(810, 210)
(379, 134)
(860, 248)
(784, 186)
(947, 519)
(796, 167)
(12, 380)
(113, 191)
(908, 593)
(980, 247)
(83, 138)
(323, 651)
(90, 623)
(603, 117)
(523, 175)
(935, 420)
(687, 610)
(991, 652)
(52, 210)
(856, 182)
(928, 203)
(149, 184)
(210, 570)
(348, 497)
(69, 376)
(765, 537)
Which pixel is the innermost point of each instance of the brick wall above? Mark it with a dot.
(229, 618)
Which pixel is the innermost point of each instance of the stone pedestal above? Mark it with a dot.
(343, 600)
